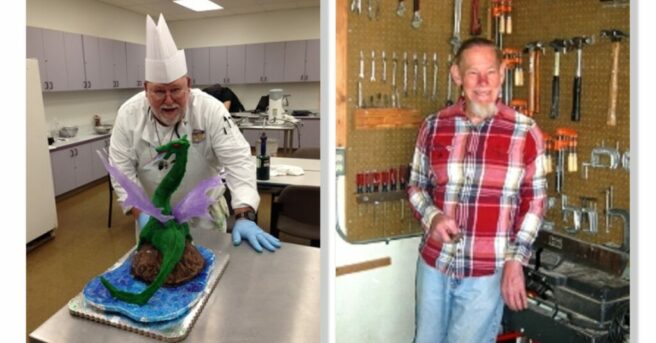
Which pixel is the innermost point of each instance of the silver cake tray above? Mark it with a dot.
(169, 331)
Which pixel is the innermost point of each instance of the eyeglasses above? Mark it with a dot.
(175, 93)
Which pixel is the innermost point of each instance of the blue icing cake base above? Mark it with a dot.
(166, 304)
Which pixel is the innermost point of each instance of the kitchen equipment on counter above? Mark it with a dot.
(301, 113)
(102, 129)
(68, 131)
(275, 110)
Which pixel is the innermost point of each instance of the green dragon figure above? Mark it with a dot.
(168, 233)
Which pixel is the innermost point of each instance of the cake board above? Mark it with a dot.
(169, 331)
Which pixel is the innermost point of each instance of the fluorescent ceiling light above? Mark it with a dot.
(199, 5)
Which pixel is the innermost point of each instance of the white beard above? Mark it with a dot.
(481, 111)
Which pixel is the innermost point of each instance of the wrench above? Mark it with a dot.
(394, 89)
(405, 73)
(449, 102)
(360, 79)
(415, 67)
(372, 9)
(423, 66)
(373, 66)
(384, 67)
(435, 68)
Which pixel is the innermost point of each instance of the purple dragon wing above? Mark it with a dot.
(136, 195)
(196, 203)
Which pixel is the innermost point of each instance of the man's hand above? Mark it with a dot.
(255, 236)
(513, 288)
(444, 229)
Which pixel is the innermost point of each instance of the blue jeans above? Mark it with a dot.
(452, 310)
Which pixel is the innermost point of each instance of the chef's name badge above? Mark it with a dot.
(197, 136)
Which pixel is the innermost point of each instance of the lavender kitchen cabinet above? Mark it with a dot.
(136, 73)
(113, 70)
(48, 47)
(198, 63)
(302, 61)
(265, 62)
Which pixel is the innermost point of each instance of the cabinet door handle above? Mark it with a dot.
(118, 83)
(52, 85)
(72, 153)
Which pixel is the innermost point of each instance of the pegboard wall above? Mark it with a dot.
(548, 20)
(378, 149)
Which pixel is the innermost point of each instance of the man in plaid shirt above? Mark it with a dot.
(478, 187)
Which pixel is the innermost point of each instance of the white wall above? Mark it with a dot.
(376, 305)
(98, 19)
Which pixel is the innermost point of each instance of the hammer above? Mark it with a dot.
(533, 49)
(559, 46)
(615, 37)
(578, 43)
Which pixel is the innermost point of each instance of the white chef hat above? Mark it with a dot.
(164, 62)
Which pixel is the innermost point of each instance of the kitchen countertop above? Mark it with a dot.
(84, 134)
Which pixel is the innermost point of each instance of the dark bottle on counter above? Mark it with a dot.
(263, 160)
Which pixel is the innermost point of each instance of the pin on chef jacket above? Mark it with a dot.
(168, 109)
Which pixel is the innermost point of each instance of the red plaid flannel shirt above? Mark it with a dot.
(490, 178)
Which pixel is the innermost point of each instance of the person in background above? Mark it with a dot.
(227, 96)
(478, 187)
(168, 109)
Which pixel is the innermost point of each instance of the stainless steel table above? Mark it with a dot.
(268, 297)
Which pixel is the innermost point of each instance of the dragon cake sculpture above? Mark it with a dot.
(165, 254)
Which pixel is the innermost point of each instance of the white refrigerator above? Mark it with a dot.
(41, 209)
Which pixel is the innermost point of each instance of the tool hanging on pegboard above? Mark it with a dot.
(400, 8)
(424, 66)
(502, 13)
(356, 6)
(372, 78)
(578, 43)
(615, 37)
(475, 27)
(560, 47)
(512, 59)
(435, 70)
(565, 145)
(384, 76)
(405, 73)
(533, 49)
(415, 70)
(395, 91)
(416, 17)
(360, 80)
(372, 9)
(449, 81)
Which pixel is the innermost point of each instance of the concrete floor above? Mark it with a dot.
(84, 247)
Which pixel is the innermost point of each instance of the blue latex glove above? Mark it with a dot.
(256, 237)
(143, 219)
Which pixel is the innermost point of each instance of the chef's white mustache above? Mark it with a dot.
(170, 107)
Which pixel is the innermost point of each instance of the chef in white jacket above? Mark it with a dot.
(168, 109)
